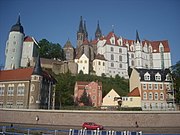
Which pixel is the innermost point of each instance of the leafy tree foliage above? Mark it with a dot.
(85, 99)
(176, 80)
(50, 50)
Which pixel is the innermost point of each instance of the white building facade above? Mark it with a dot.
(83, 64)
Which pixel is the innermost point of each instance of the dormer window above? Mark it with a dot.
(168, 77)
(158, 77)
(147, 76)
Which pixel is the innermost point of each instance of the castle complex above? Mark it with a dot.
(110, 55)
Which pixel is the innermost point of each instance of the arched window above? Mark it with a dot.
(150, 96)
(156, 96)
(145, 95)
(147, 76)
(120, 58)
(132, 63)
(158, 77)
(161, 96)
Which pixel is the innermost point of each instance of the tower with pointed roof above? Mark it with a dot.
(14, 45)
(35, 98)
(80, 33)
(69, 51)
(138, 52)
(98, 32)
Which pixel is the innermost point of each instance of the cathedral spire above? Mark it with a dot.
(98, 33)
(81, 29)
(85, 31)
(37, 68)
(19, 20)
(137, 37)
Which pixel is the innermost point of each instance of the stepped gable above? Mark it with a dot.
(134, 93)
(155, 45)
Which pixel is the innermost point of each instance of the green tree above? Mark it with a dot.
(50, 50)
(176, 80)
(85, 99)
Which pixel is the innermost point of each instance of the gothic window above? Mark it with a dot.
(112, 57)
(32, 87)
(112, 49)
(120, 58)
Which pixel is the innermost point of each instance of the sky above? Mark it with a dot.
(58, 20)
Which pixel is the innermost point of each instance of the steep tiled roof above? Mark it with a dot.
(108, 37)
(85, 42)
(100, 57)
(152, 73)
(28, 39)
(16, 75)
(155, 45)
(134, 93)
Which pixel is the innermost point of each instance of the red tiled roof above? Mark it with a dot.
(17, 74)
(111, 34)
(82, 83)
(155, 45)
(94, 42)
(100, 57)
(134, 92)
(28, 39)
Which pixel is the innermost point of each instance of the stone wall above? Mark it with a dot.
(106, 118)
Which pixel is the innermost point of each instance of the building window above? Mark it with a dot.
(144, 96)
(150, 96)
(120, 58)
(112, 49)
(112, 64)
(156, 96)
(168, 77)
(2, 89)
(161, 96)
(147, 76)
(120, 50)
(19, 104)
(1, 104)
(120, 65)
(85, 61)
(112, 57)
(132, 63)
(9, 104)
(103, 63)
(20, 90)
(156, 86)
(32, 87)
(160, 86)
(99, 63)
(10, 91)
(150, 86)
(132, 55)
(144, 86)
(158, 77)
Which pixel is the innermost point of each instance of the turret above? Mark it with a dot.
(98, 33)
